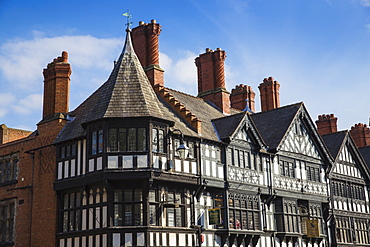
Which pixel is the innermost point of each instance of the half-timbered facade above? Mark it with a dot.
(299, 163)
(349, 215)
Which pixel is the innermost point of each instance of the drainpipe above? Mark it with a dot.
(31, 201)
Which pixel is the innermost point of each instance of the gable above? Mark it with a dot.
(346, 164)
(298, 140)
(243, 135)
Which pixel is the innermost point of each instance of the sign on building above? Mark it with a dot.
(313, 230)
(214, 216)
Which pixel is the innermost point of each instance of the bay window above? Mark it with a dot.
(127, 140)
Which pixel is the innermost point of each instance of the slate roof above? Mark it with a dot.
(202, 110)
(226, 126)
(273, 124)
(334, 141)
(365, 152)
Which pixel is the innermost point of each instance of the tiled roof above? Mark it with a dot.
(365, 152)
(127, 93)
(202, 110)
(334, 141)
(226, 126)
(273, 124)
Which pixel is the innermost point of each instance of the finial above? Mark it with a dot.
(129, 17)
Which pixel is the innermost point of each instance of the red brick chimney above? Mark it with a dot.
(211, 78)
(361, 135)
(269, 93)
(56, 86)
(240, 96)
(326, 124)
(145, 42)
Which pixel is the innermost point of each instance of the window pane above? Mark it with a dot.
(113, 144)
(152, 215)
(237, 220)
(170, 197)
(73, 149)
(171, 216)
(152, 197)
(100, 141)
(141, 142)
(128, 215)
(78, 220)
(63, 152)
(138, 195)
(191, 149)
(118, 215)
(161, 141)
(127, 195)
(138, 214)
(154, 140)
(65, 221)
(118, 195)
(122, 139)
(68, 150)
(131, 139)
(178, 217)
(93, 143)
(244, 220)
(231, 219)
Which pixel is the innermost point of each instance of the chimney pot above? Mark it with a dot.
(269, 93)
(65, 57)
(326, 124)
(56, 86)
(211, 79)
(146, 45)
(360, 134)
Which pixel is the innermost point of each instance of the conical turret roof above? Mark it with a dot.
(127, 92)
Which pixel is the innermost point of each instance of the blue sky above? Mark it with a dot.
(318, 50)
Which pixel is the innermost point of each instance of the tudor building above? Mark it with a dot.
(140, 164)
(348, 214)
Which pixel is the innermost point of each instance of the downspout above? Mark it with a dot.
(31, 201)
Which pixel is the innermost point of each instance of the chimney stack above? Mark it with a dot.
(145, 42)
(211, 78)
(269, 93)
(56, 86)
(326, 124)
(361, 135)
(242, 95)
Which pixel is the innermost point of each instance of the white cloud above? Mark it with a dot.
(22, 60)
(365, 3)
(29, 104)
(180, 74)
(6, 99)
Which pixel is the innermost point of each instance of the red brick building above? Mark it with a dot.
(27, 167)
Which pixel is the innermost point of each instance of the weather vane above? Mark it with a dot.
(129, 16)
